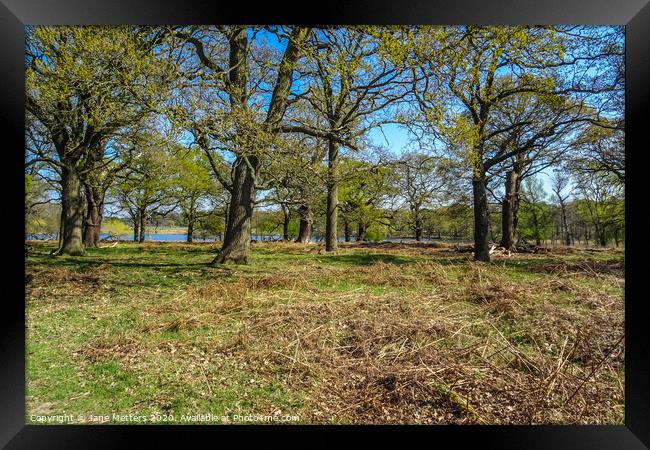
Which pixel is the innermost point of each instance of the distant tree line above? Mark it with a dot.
(236, 132)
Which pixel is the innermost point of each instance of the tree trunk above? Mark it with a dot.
(285, 223)
(142, 227)
(536, 233)
(602, 238)
(565, 226)
(418, 224)
(481, 222)
(225, 217)
(237, 237)
(361, 232)
(331, 222)
(72, 212)
(347, 230)
(190, 230)
(94, 215)
(418, 230)
(60, 236)
(236, 242)
(136, 230)
(306, 222)
(508, 213)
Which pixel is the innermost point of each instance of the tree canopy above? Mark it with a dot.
(213, 126)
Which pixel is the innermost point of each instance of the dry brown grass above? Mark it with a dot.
(58, 285)
(114, 349)
(418, 358)
(589, 268)
(380, 273)
(379, 360)
(426, 341)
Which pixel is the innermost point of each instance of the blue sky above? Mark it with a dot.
(392, 137)
(396, 139)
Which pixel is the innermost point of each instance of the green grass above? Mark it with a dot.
(361, 336)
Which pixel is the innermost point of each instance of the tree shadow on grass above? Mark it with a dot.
(390, 258)
(84, 263)
(136, 274)
(367, 259)
(527, 264)
(174, 267)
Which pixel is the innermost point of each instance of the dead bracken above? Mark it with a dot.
(374, 334)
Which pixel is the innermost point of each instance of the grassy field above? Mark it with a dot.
(378, 333)
(167, 230)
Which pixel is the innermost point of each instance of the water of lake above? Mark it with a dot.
(163, 237)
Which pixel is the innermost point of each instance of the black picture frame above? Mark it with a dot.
(15, 14)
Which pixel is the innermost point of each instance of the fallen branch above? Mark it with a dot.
(464, 248)
(525, 249)
(458, 401)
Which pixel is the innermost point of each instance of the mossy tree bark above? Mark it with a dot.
(72, 212)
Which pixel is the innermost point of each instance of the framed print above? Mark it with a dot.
(375, 218)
